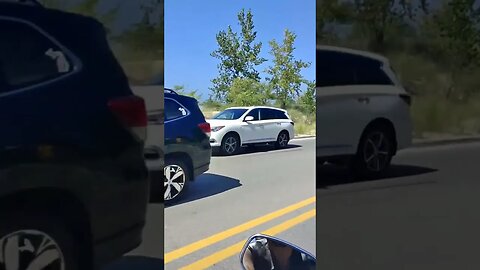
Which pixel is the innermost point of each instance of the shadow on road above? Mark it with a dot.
(256, 149)
(136, 262)
(206, 185)
(330, 175)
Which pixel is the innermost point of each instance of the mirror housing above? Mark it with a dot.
(248, 118)
(259, 252)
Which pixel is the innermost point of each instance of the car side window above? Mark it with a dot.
(28, 57)
(334, 69)
(280, 115)
(255, 113)
(173, 110)
(267, 114)
(370, 72)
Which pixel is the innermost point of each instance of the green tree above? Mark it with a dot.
(285, 74)
(145, 39)
(307, 100)
(238, 55)
(85, 7)
(453, 38)
(371, 18)
(248, 92)
(180, 89)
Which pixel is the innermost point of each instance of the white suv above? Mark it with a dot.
(363, 112)
(242, 126)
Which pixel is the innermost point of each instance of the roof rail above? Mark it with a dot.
(24, 2)
(170, 91)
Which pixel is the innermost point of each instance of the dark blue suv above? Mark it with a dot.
(73, 182)
(187, 143)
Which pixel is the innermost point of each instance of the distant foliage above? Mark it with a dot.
(239, 55)
(285, 78)
(180, 89)
(434, 49)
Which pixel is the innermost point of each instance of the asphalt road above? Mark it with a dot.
(257, 191)
(425, 215)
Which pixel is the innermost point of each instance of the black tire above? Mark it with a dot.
(230, 144)
(282, 140)
(371, 163)
(180, 183)
(24, 233)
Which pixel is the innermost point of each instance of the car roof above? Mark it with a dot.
(371, 55)
(256, 107)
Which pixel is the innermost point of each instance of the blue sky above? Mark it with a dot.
(191, 26)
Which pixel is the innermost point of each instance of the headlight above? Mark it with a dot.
(215, 129)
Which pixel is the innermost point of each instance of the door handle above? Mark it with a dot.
(363, 99)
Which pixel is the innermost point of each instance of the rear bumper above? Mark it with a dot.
(200, 170)
(114, 247)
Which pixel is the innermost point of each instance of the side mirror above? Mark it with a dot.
(263, 252)
(248, 118)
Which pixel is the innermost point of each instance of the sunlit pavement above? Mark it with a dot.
(425, 215)
(262, 190)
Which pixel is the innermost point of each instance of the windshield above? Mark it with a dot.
(230, 114)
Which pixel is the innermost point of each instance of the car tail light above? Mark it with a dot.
(407, 98)
(132, 113)
(205, 127)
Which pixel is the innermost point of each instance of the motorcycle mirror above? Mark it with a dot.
(263, 252)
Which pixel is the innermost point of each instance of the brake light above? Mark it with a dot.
(407, 98)
(132, 114)
(205, 127)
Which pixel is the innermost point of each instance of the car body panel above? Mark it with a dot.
(344, 112)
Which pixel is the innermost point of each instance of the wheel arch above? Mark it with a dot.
(184, 157)
(381, 123)
(234, 132)
(58, 202)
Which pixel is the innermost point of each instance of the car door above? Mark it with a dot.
(341, 107)
(252, 131)
(271, 124)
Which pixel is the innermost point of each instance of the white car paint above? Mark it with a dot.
(343, 112)
(250, 132)
(153, 95)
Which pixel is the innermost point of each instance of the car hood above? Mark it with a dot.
(217, 122)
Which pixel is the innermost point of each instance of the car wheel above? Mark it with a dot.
(282, 140)
(230, 144)
(35, 241)
(177, 176)
(374, 154)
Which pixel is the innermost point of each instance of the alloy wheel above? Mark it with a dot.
(283, 139)
(230, 145)
(174, 181)
(376, 151)
(30, 250)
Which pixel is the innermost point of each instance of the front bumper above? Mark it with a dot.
(216, 140)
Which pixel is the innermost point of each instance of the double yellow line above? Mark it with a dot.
(234, 249)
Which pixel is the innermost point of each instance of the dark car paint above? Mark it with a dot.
(183, 136)
(95, 160)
